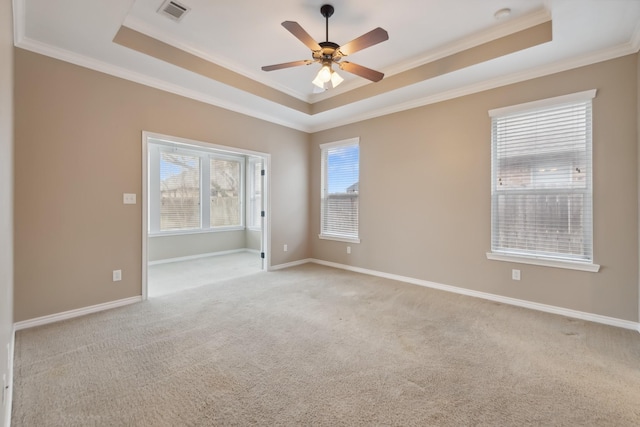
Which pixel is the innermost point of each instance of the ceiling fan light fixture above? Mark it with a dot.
(336, 79)
(324, 75)
(327, 78)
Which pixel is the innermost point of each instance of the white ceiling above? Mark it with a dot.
(243, 35)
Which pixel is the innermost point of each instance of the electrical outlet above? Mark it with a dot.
(515, 274)
(348, 249)
(117, 275)
(285, 248)
(129, 198)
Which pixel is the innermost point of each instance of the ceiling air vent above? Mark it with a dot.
(173, 10)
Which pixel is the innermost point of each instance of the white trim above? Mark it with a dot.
(542, 103)
(65, 315)
(197, 256)
(341, 143)
(502, 30)
(221, 229)
(145, 213)
(142, 27)
(498, 31)
(522, 259)
(290, 264)
(143, 79)
(501, 81)
(23, 42)
(338, 239)
(19, 20)
(635, 38)
(591, 317)
(9, 396)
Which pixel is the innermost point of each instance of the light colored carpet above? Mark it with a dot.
(313, 345)
(167, 278)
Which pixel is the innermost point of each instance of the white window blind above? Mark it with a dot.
(225, 198)
(541, 179)
(194, 189)
(340, 188)
(179, 191)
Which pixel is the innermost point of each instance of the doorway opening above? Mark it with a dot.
(205, 213)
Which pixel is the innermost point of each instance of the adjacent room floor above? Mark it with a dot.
(176, 276)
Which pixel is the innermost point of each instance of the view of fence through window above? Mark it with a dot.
(225, 193)
(255, 194)
(542, 194)
(340, 207)
(179, 191)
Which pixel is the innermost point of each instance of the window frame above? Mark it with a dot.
(155, 148)
(324, 190)
(252, 162)
(541, 258)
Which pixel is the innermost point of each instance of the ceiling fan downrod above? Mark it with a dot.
(327, 11)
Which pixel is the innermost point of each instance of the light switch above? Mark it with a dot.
(129, 198)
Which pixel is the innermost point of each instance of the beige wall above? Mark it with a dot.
(181, 245)
(78, 148)
(425, 195)
(6, 187)
(253, 239)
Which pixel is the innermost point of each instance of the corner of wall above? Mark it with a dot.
(6, 208)
(638, 170)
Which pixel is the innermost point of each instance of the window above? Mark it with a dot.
(194, 189)
(254, 177)
(226, 209)
(541, 189)
(179, 191)
(339, 193)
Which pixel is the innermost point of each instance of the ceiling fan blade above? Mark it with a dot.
(359, 70)
(286, 65)
(295, 29)
(375, 36)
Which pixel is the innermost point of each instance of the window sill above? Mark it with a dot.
(571, 265)
(195, 231)
(339, 238)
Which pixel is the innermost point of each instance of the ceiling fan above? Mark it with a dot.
(328, 53)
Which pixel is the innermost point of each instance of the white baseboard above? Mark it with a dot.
(197, 256)
(291, 264)
(44, 320)
(591, 317)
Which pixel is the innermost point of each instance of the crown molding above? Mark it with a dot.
(630, 47)
(635, 38)
(142, 27)
(510, 27)
(19, 21)
(103, 67)
(577, 62)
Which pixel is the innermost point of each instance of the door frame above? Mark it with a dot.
(266, 200)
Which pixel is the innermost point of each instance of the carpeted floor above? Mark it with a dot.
(313, 345)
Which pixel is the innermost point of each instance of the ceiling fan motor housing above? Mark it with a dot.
(329, 51)
(326, 10)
